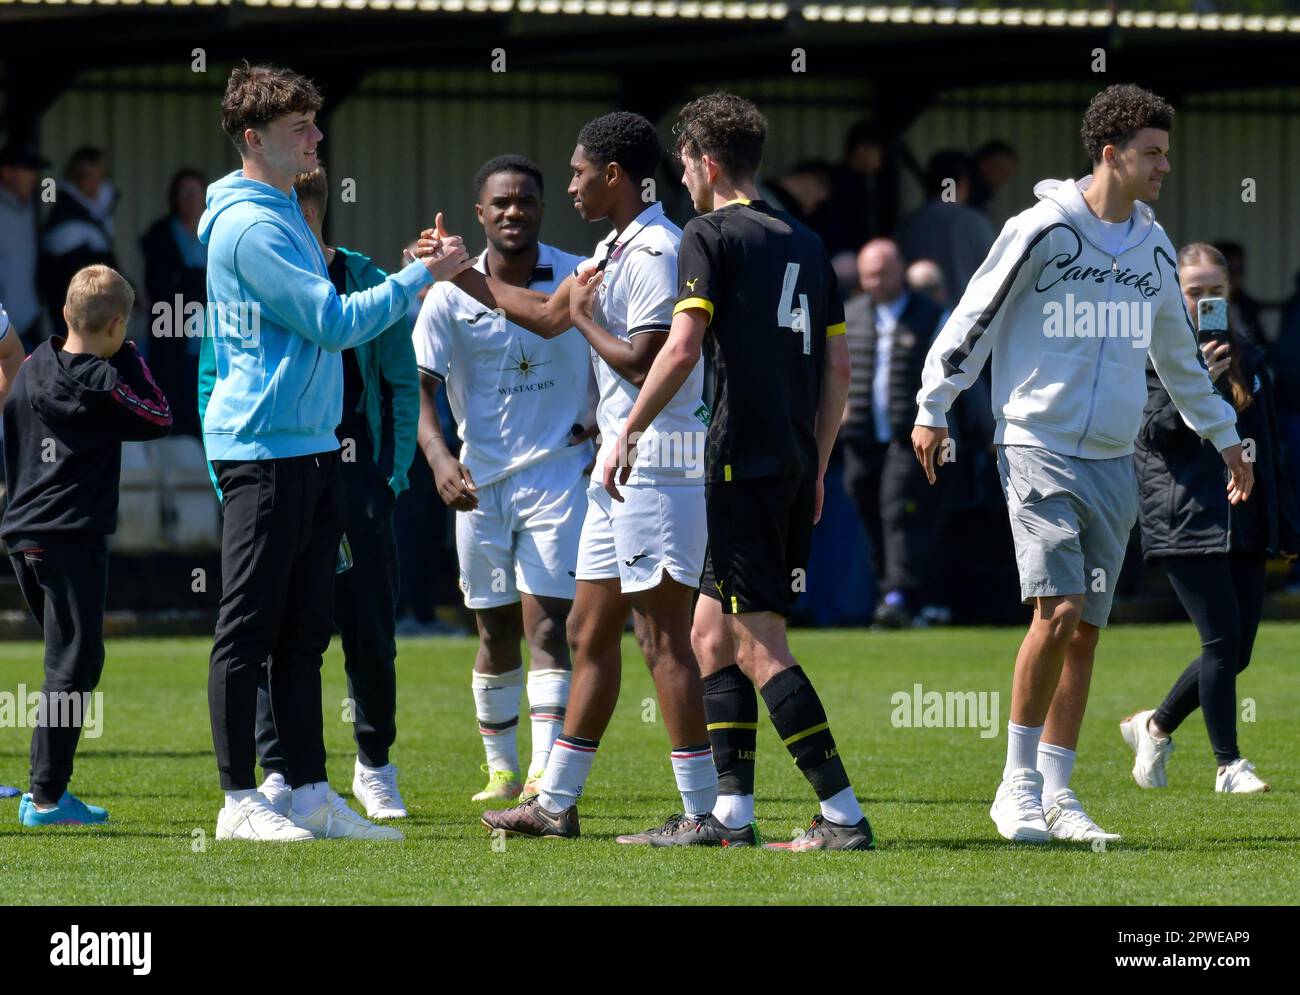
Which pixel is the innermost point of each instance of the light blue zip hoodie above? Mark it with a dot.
(271, 379)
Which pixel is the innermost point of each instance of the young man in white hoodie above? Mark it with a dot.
(1075, 295)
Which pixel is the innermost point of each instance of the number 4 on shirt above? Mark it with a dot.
(796, 319)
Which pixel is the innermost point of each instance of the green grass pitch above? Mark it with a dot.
(926, 791)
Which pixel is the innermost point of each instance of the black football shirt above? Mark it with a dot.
(767, 284)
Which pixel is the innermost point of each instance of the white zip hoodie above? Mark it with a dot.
(1069, 327)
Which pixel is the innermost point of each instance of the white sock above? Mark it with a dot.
(307, 798)
(548, 694)
(566, 773)
(697, 778)
(50, 808)
(1056, 764)
(274, 780)
(734, 811)
(233, 798)
(843, 807)
(496, 703)
(1022, 748)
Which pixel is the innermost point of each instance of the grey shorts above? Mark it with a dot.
(1070, 519)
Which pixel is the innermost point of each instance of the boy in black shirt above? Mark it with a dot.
(761, 286)
(72, 405)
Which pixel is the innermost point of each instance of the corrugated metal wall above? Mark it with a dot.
(412, 142)
(1217, 143)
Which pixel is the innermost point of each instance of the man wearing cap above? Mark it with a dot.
(20, 167)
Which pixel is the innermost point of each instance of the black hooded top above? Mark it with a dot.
(64, 422)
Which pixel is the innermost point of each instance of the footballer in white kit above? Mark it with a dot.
(523, 408)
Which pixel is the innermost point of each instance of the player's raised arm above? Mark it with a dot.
(542, 314)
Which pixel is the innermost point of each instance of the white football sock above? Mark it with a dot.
(496, 704)
(548, 694)
(307, 798)
(734, 811)
(233, 798)
(1056, 764)
(843, 807)
(697, 778)
(566, 773)
(1022, 748)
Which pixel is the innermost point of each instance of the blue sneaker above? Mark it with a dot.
(72, 811)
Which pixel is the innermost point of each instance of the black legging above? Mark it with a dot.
(1224, 594)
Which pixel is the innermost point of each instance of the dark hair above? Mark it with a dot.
(728, 128)
(179, 177)
(313, 187)
(1118, 113)
(1206, 253)
(862, 132)
(995, 147)
(944, 165)
(80, 160)
(625, 138)
(257, 95)
(819, 168)
(507, 164)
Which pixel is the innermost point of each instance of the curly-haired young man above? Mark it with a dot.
(1075, 294)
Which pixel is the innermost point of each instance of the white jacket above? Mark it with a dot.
(1070, 327)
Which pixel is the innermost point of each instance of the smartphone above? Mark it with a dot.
(1211, 319)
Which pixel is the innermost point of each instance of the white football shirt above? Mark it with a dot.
(515, 395)
(636, 296)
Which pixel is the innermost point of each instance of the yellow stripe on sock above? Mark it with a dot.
(731, 725)
(805, 734)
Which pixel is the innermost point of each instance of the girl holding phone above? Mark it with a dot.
(1213, 552)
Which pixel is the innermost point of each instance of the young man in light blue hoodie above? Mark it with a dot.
(270, 398)
(1075, 296)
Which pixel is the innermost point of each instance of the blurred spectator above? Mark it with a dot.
(1243, 310)
(20, 167)
(175, 274)
(79, 230)
(946, 229)
(803, 191)
(889, 333)
(855, 192)
(846, 275)
(924, 277)
(994, 166)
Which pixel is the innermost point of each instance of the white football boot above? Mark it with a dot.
(1238, 778)
(376, 789)
(1066, 820)
(1018, 807)
(1150, 754)
(332, 819)
(254, 819)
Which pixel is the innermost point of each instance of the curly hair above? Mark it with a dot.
(625, 138)
(728, 128)
(507, 164)
(257, 95)
(1118, 113)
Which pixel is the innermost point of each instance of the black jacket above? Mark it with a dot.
(55, 272)
(64, 422)
(917, 327)
(1182, 479)
(166, 277)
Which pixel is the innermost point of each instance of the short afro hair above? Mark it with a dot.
(1118, 113)
(625, 138)
(728, 128)
(507, 164)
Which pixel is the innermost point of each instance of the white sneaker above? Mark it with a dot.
(1150, 753)
(1018, 807)
(279, 796)
(334, 820)
(254, 819)
(376, 789)
(1066, 820)
(1238, 778)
